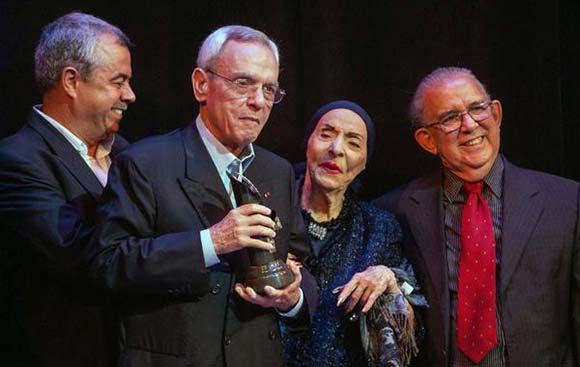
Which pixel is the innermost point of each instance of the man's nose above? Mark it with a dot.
(128, 96)
(468, 123)
(257, 98)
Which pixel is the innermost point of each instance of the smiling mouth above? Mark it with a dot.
(473, 142)
(119, 110)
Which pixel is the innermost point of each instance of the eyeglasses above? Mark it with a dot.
(453, 120)
(244, 86)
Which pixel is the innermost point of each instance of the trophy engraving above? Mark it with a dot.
(259, 267)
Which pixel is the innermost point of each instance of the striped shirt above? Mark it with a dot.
(453, 199)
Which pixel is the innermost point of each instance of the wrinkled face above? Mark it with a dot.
(470, 151)
(337, 150)
(106, 93)
(236, 120)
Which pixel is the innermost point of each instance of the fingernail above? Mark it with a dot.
(340, 300)
(337, 289)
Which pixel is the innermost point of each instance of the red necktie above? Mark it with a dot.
(476, 318)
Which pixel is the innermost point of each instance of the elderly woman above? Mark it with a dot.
(356, 249)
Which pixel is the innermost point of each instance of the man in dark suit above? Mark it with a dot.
(526, 273)
(170, 230)
(52, 172)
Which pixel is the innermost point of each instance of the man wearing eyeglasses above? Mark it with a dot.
(497, 247)
(170, 227)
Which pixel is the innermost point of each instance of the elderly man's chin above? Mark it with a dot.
(482, 159)
(250, 135)
(471, 168)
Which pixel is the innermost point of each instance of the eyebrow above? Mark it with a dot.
(326, 126)
(471, 105)
(244, 75)
(349, 134)
(120, 75)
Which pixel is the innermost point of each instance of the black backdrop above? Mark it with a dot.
(373, 52)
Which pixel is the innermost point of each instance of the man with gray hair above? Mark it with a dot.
(52, 171)
(496, 246)
(171, 231)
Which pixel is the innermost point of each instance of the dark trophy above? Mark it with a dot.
(259, 268)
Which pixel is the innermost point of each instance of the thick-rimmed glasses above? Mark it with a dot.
(453, 120)
(245, 86)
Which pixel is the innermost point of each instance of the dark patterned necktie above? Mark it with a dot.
(476, 316)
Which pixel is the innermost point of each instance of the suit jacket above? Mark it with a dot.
(50, 313)
(162, 191)
(539, 274)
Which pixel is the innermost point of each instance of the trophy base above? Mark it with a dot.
(276, 274)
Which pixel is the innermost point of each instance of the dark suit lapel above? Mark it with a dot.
(521, 214)
(71, 159)
(425, 217)
(201, 183)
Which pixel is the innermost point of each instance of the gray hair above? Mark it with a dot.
(212, 46)
(437, 76)
(71, 40)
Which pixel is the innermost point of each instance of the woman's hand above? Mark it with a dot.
(365, 287)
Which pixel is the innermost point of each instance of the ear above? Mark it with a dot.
(69, 81)
(496, 111)
(425, 140)
(199, 82)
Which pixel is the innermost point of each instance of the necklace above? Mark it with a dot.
(319, 230)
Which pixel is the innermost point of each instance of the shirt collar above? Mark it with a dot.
(103, 150)
(219, 154)
(493, 180)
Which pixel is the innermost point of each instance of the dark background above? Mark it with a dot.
(373, 52)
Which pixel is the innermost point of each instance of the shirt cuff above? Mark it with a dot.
(294, 310)
(210, 258)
